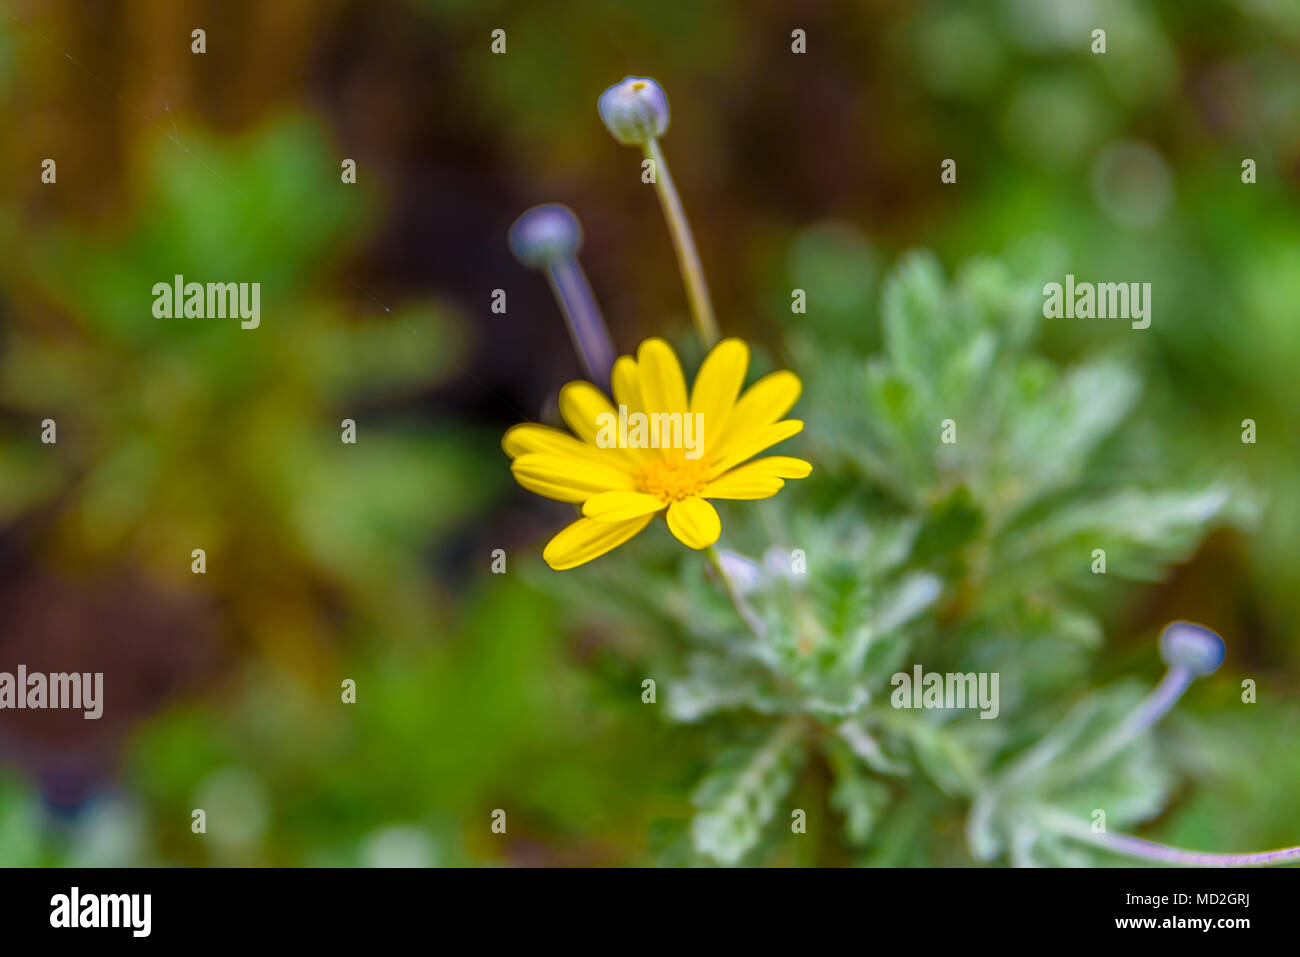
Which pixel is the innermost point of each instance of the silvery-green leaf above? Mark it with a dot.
(740, 796)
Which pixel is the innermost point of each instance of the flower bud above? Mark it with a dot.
(744, 574)
(545, 235)
(635, 111)
(1184, 645)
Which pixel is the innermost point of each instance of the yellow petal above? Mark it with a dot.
(717, 385)
(742, 483)
(566, 479)
(621, 506)
(532, 437)
(746, 446)
(760, 478)
(695, 522)
(781, 466)
(626, 383)
(581, 406)
(762, 403)
(586, 539)
(663, 389)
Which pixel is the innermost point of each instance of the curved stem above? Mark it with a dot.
(688, 259)
(1136, 847)
(581, 314)
(743, 608)
(1152, 708)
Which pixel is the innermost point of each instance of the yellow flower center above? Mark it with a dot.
(672, 479)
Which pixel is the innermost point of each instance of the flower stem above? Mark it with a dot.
(1136, 847)
(688, 259)
(582, 316)
(743, 608)
(1152, 708)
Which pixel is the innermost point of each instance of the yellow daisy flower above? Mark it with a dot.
(622, 488)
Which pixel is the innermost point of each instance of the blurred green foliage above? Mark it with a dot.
(206, 435)
(522, 691)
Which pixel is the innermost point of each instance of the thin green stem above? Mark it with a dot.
(688, 259)
(743, 608)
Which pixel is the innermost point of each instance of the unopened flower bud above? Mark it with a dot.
(545, 235)
(744, 574)
(547, 238)
(635, 110)
(1184, 645)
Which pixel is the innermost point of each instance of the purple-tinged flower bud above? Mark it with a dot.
(545, 235)
(1191, 652)
(635, 110)
(1184, 645)
(745, 574)
(547, 238)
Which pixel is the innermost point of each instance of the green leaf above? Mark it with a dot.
(861, 800)
(1141, 532)
(921, 333)
(740, 796)
(1055, 433)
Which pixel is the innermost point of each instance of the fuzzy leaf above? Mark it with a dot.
(740, 796)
